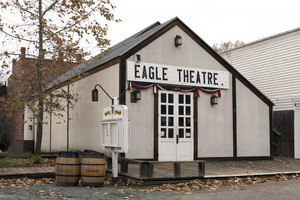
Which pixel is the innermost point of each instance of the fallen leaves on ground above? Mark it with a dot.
(121, 182)
(46, 162)
(183, 187)
(24, 182)
(214, 184)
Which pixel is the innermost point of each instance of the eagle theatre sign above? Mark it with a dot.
(177, 75)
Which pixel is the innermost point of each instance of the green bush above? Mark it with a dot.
(37, 159)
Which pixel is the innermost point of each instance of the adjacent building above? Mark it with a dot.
(272, 64)
(23, 84)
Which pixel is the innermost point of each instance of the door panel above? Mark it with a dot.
(175, 126)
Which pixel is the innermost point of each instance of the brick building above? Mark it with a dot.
(23, 72)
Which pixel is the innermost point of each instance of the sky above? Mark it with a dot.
(215, 21)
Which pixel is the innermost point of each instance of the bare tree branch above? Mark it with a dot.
(50, 7)
(21, 8)
(10, 35)
(44, 33)
(77, 22)
(17, 54)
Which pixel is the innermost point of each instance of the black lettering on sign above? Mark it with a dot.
(179, 74)
(192, 76)
(209, 77)
(151, 72)
(203, 73)
(136, 71)
(164, 73)
(185, 76)
(215, 79)
(198, 77)
(144, 75)
(156, 74)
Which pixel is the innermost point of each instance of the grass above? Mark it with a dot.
(8, 162)
(4, 164)
(24, 160)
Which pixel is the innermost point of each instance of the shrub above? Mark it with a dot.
(37, 159)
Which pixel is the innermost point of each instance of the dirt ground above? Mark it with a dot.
(243, 188)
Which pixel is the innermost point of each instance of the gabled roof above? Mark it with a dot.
(116, 51)
(139, 40)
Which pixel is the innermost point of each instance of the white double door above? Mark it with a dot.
(176, 141)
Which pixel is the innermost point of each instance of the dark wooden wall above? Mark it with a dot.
(3, 122)
(283, 133)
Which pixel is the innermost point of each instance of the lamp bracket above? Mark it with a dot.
(113, 100)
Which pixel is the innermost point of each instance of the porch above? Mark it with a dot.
(166, 171)
(145, 170)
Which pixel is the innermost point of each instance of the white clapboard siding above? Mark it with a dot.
(284, 102)
(273, 66)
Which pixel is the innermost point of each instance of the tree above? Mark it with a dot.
(49, 27)
(225, 46)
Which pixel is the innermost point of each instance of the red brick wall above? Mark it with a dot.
(15, 125)
(24, 68)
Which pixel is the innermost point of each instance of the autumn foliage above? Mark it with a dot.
(56, 30)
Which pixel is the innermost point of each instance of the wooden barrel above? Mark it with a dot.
(67, 169)
(93, 169)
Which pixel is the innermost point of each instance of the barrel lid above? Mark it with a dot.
(92, 155)
(68, 154)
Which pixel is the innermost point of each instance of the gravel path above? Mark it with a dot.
(51, 191)
(273, 187)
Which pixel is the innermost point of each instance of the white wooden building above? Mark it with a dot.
(175, 119)
(272, 64)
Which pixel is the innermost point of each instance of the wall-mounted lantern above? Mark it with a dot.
(95, 95)
(135, 96)
(30, 127)
(178, 40)
(214, 100)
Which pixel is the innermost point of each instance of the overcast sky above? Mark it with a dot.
(213, 20)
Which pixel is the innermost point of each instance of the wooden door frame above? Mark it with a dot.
(156, 115)
(155, 156)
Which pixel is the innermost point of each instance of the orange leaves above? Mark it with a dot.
(56, 26)
(214, 184)
(24, 182)
(4, 5)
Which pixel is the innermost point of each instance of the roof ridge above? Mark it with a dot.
(264, 39)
